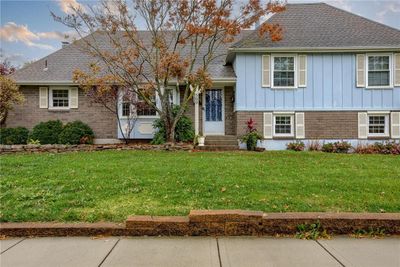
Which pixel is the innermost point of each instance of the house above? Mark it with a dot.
(334, 76)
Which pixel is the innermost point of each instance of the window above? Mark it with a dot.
(144, 109)
(126, 109)
(59, 98)
(379, 69)
(173, 96)
(283, 125)
(284, 74)
(378, 125)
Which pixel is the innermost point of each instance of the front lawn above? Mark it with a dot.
(110, 185)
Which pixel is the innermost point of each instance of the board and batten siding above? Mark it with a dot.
(331, 85)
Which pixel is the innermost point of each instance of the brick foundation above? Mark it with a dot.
(318, 124)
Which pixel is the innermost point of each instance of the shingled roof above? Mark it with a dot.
(316, 27)
(62, 63)
(320, 25)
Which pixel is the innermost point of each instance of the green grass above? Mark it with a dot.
(110, 185)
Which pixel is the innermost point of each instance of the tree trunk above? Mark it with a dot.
(170, 135)
(3, 118)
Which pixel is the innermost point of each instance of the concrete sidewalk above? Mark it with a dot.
(199, 251)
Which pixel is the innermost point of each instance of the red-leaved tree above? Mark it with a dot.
(181, 39)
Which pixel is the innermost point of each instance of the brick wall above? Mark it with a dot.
(331, 125)
(102, 121)
(229, 114)
(243, 116)
(318, 124)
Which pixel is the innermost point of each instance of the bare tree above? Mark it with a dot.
(182, 39)
(119, 102)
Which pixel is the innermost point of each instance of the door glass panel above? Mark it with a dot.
(214, 105)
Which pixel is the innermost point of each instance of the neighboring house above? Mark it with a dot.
(334, 76)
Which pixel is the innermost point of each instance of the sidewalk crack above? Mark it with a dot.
(333, 256)
(101, 263)
(219, 253)
(13, 245)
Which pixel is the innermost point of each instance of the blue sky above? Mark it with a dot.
(28, 32)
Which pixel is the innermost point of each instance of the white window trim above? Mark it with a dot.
(387, 124)
(175, 99)
(273, 56)
(289, 114)
(51, 89)
(390, 71)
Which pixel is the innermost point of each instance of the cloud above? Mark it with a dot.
(342, 4)
(67, 6)
(11, 32)
(388, 7)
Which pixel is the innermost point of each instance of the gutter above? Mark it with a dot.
(45, 83)
(316, 49)
(216, 80)
(232, 51)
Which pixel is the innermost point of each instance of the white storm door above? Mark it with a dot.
(214, 123)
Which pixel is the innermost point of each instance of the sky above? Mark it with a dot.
(28, 31)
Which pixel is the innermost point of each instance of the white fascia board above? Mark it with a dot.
(314, 49)
(45, 83)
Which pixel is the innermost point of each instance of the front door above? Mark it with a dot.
(214, 112)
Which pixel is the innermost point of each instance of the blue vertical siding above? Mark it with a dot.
(331, 85)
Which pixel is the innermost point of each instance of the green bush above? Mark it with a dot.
(337, 147)
(13, 136)
(75, 133)
(184, 131)
(47, 132)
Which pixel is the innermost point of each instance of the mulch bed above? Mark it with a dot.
(10, 149)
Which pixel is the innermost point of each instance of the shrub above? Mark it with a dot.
(252, 136)
(314, 146)
(12, 136)
(295, 146)
(47, 132)
(337, 147)
(184, 131)
(379, 148)
(75, 133)
(33, 142)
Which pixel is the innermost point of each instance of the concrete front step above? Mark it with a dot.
(218, 147)
(221, 142)
(221, 137)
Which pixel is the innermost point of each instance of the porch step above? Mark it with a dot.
(220, 142)
(221, 137)
(218, 147)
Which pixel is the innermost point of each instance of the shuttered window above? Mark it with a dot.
(378, 125)
(284, 71)
(378, 71)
